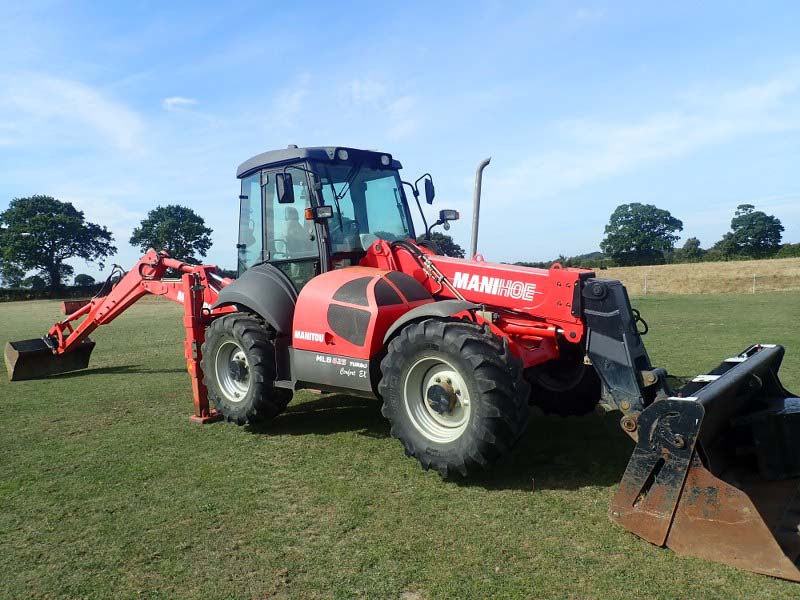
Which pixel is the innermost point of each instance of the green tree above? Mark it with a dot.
(40, 233)
(35, 282)
(11, 275)
(640, 234)
(725, 249)
(690, 251)
(755, 233)
(177, 229)
(84, 280)
(788, 251)
(445, 244)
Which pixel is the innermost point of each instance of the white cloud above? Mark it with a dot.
(289, 102)
(598, 150)
(396, 115)
(65, 111)
(365, 92)
(403, 117)
(174, 103)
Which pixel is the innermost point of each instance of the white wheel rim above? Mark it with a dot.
(232, 371)
(429, 382)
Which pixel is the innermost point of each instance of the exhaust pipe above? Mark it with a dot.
(476, 206)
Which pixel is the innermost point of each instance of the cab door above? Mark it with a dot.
(250, 246)
(291, 241)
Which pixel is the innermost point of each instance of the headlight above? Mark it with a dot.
(386, 160)
(342, 154)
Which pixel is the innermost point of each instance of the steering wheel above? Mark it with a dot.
(284, 253)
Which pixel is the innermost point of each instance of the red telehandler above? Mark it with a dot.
(346, 300)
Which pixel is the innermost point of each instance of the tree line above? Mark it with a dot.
(39, 234)
(643, 234)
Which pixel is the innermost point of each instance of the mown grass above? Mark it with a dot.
(108, 490)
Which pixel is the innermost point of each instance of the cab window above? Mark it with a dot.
(291, 240)
(367, 205)
(251, 233)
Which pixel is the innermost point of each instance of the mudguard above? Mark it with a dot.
(266, 291)
(441, 309)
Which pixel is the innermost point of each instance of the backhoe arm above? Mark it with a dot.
(146, 277)
(67, 346)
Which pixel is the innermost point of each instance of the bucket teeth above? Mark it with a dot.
(33, 359)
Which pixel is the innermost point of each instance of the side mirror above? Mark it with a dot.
(430, 191)
(447, 215)
(283, 183)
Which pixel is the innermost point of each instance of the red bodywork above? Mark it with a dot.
(531, 308)
(319, 294)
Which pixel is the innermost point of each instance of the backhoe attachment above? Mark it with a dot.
(67, 347)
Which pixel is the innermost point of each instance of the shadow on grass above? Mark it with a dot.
(559, 453)
(326, 415)
(115, 370)
(554, 453)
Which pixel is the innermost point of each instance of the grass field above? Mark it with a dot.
(108, 490)
(710, 277)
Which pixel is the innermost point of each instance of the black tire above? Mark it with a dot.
(496, 391)
(565, 387)
(251, 341)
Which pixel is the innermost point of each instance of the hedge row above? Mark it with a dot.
(15, 294)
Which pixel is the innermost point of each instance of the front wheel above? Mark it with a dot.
(454, 395)
(238, 365)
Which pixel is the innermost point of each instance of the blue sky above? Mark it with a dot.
(695, 107)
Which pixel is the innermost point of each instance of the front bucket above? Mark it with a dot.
(714, 473)
(748, 524)
(33, 359)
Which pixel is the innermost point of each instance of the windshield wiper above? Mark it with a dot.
(335, 198)
(354, 171)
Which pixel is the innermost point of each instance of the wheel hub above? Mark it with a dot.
(437, 399)
(238, 370)
(441, 398)
(232, 371)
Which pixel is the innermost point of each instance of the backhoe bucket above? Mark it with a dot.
(32, 359)
(715, 470)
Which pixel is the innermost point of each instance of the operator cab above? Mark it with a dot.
(280, 221)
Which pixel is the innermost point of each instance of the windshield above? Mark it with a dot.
(367, 205)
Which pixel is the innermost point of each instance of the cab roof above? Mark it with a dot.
(294, 154)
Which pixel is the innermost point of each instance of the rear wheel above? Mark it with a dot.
(565, 387)
(238, 365)
(454, 395)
